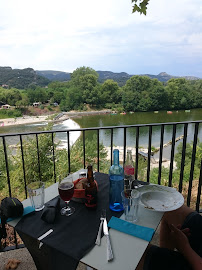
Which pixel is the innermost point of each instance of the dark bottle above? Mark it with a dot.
(91, 189)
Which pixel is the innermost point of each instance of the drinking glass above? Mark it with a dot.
(66, 191)
(130, 200)
(36, 195)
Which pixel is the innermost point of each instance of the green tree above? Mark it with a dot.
(130, 101)
(159, 97)
(37, 95)
(109, 92)
(135, 91)
(94, 96)
(58, 96)
(73, 99)
(188, 158)
(87, 83)
(178, 91)
(91, 155)
(84, 82)
(76, 76)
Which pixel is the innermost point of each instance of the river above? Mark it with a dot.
(143, 118)
(118, 119)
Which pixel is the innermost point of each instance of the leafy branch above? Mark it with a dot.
(140, 6)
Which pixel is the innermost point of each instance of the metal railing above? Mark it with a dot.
(196, 126)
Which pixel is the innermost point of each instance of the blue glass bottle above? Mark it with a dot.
(116, 179)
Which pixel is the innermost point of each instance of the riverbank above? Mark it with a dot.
(76, 114)
(154, 162)
(47, 118)
(23, 120)
(30, 120)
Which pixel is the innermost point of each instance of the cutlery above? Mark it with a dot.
(43, 236)
(98, 239)
(109, 248)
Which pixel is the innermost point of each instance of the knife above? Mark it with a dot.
(98, 239)
(109, 248)
(43, 236)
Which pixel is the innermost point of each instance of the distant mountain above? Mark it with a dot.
(120, 77)
(164, 77)
(54, 75)
(21, 78)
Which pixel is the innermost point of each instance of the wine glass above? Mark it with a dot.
(66, 191)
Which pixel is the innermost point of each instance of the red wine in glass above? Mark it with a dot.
(66, 191)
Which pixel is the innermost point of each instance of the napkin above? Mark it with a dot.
(142, 232)
(26, 211)
(50, 210)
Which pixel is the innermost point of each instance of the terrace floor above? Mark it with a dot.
(28, 263)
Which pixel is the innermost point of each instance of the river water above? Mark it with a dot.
(143, 118)
(117, 120)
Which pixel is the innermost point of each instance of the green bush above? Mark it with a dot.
(49, 108)
(6, 113)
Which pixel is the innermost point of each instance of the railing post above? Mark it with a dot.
(172, 156)
(192, 163)
(111, 146)
(199, 191)
(124, 146)
(7, 169)
(98, 151)
(149, 154)
(137, 156)
(161, 154)
(23, 165)
(38, 155)
(54, 169)
(84, 150)
(184, 145)
(68, 149)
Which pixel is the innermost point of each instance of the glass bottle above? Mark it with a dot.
(91, 189)
(129, 170)
(116, 179)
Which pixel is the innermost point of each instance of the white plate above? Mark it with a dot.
(160, 198)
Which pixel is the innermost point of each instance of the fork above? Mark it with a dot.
(98, 239)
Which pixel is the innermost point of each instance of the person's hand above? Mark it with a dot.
(179, 237)
(186, 231)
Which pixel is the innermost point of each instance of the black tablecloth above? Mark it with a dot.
(72, 236)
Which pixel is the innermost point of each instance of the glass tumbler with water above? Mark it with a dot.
(36, 194)
(130, 200)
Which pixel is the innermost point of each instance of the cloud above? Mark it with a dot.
(104, 35)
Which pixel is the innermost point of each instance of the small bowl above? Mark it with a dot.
(79, 194)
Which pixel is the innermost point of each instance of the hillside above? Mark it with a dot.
(164, 77)
(120, 77)
(53, 75)
(21, 78)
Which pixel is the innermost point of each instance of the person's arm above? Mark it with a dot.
(193, 258)
(183, 246)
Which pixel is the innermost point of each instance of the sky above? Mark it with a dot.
(104, 35)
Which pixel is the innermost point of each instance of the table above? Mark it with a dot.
(127, 250)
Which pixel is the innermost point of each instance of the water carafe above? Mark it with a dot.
(116, 179)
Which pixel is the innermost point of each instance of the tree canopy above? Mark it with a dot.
(140, 93)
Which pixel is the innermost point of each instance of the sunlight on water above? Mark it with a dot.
(38, 124)
(74, 135)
